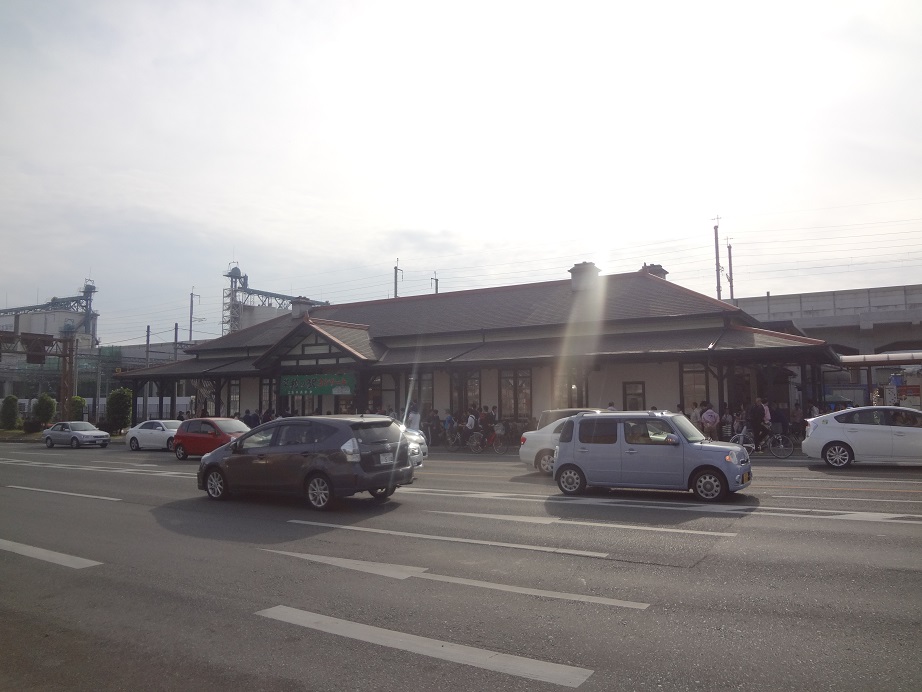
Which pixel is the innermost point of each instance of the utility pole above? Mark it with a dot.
(730, 265)
(147, 365)
(717, 253)
(191, 303)
(435, 278)
(395, 275)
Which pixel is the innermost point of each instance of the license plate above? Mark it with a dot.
(747, 477)
(386, 458)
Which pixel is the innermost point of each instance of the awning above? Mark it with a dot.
(870, 360)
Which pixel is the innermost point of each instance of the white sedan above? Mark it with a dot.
(537, 450)
(865, 433)
(156, 434)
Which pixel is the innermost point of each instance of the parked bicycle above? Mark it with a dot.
(779, 444)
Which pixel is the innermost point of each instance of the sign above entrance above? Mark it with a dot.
(338, 383)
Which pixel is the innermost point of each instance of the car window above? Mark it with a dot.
(905, 419)
(376, 432)
(232, 425)
(862, 417)
(598, 431)
(171, 424)
(646, 431)
(687, 428)
(59, 427)
(208, 429)
(261, 438)
(148, 426)
(194, 426)
(82, 426)
(566, 432)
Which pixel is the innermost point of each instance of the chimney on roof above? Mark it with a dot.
(299, 307)
(655, 269)
(583, 276)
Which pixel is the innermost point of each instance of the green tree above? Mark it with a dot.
(9, 413)
(118, 408)
(44, 408)
(75, 408)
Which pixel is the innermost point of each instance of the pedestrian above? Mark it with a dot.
(204, 412)
(756, 422)
(180, 417)
(611, 406)
(695, 416)
(709, 421)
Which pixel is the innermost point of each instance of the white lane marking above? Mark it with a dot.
(860, 499)
(747, 510)
(75, 467)
(573, 522)
(529, 668)
(451, 539)
(852, 480)
(47, 555)
(384, 569)
(61, 492)
(125, 463)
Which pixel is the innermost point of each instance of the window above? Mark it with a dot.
(861, 418)
(472, 389)
(643, 431)
(233, 397)
(634, 397)
(258, 439)
(373, 395)
(905, 419)
(425, 392)
(598, 431)
(515, 394)
(694, 384)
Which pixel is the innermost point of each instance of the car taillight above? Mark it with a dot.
(351, 450)
(522, 441)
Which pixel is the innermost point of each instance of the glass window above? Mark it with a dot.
(856, 417)
(425, 393)
(194, 426)
(598, 431)
(634, 397)
(233, 398)
(646, 431)
(259, 439)
(472, 389)
(515, 394)
(905, 419)
(694, 384)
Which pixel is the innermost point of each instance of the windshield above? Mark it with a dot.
(232, 425)
(171, 424)
(687, 428)
(82, 426)
(377, 431)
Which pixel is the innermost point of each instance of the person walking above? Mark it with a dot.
(756, 422)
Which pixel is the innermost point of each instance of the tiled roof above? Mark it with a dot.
(629, 296)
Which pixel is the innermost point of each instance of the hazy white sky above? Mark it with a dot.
(148, 145)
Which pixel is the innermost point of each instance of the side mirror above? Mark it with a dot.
(672, 439)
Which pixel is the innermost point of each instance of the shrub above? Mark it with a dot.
(119, 404)
(31, 425)
(9, 412)
(75, 408)
(44, 409)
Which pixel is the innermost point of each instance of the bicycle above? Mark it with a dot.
(779, 444)
(478, 443)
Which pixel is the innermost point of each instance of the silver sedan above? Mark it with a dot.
(155, 434)
(76, 434)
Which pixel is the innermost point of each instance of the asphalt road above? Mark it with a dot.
(116, 573)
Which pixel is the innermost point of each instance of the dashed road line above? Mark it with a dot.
(528, 668)
(71, 561)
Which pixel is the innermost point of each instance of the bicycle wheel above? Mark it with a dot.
(780, 446)
(744, 440)
(499, 446)
(453, 441)
(475, 443)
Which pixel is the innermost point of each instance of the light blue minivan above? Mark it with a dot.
(647, 449)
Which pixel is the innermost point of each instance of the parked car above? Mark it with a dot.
(537, 447)
(653, 449)
(554, 414)
(198, 436)
(319, 457)
(865, 433)
(417, 437)
(156, 434)
(76, 434)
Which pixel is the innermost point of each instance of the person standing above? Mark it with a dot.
(695, 416)
(756, 422)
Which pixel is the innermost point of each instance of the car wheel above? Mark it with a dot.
(319, 492)
(216, 485)
(382, 493)
(838, 455)
(134, 444)
(571, 481)
(49, 443)
(710, 485)
(169, 445)
(74, 443)
(180, 452)
(544, 461)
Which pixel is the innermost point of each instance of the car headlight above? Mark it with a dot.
(733, 457)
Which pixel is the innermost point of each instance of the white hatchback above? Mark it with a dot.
(865, 433)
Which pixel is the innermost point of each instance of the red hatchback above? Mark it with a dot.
(198, 436)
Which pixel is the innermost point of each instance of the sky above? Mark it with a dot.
(150, 146)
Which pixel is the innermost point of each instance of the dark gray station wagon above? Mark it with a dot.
(319, 457)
